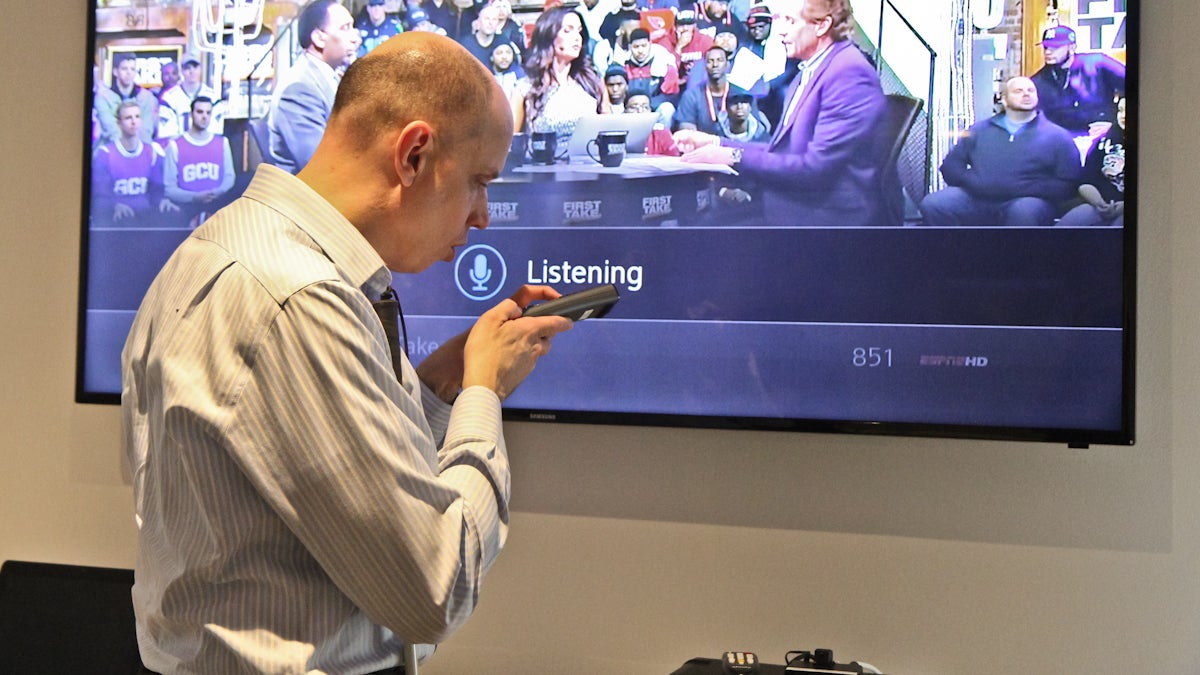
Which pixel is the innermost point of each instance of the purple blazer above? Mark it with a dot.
(817, 170)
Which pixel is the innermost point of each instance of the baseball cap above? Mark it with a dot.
(1058, 36)
(639, 34)
(685, 16)
(189, 58)
(375, 3)
(758, 14)
(739, 95)
(417, 15)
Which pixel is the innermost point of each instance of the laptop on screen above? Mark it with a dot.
(638, 125)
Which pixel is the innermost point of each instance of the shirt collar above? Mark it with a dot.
(816, 59)
(337, 237)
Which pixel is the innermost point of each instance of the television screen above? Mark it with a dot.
(912, 220)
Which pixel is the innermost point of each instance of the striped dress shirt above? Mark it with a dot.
(299, 509)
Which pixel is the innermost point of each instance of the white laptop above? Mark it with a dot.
(639, 126)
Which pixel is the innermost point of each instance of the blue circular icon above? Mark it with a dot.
(480, 272)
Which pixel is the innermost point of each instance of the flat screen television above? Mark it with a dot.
(730, 317)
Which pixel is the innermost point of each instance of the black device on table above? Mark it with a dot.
(591, 303)
(815, 662)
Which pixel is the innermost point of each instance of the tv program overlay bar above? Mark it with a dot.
(998, 327)
(997, 277)
(1037, 377)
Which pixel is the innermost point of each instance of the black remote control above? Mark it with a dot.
(592, 303)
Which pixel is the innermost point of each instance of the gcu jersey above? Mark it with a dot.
(130, 173)
(200, 163)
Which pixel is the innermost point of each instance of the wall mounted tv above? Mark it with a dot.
(734, 313)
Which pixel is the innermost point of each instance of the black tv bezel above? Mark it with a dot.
(1072, 437)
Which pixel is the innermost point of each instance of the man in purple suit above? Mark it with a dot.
(817, 169)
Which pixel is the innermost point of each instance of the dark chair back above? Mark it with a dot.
(66, 619)
(899, 115)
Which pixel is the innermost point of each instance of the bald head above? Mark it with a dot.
(417, 76)
(419, 127)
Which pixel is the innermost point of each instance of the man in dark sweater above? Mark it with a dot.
(1016, 168)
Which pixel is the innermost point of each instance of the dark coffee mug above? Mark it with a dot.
(610, 146)
(516, 152)
(542, 147)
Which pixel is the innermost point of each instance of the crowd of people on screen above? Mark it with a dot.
(721, 71)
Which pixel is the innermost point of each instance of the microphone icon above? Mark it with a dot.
(480, 273)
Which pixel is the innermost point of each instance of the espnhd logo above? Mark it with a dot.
(480, 272)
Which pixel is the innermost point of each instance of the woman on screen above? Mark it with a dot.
(560, 85)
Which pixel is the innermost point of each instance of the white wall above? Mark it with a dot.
(902, 50)
(633, 549)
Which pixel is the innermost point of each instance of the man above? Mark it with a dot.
(654, 65)
(177, 100)
(1013, 169)
(127, 175)
(740, 121)
(610, 27)
(375, 27)
(509, 29)
(306, 501)
(685, 43)
(607, 54)
(616, 86)
(483, 36)
(637, 99)
(771, 61)
(816, 169)
(461, 18)
(1078, 92)
(124, 88)
(505, 68)
(199, 165)
(714, 18)
(438, 12)
(419, 21)
(701, 107)
(169, 77)
(300, 106)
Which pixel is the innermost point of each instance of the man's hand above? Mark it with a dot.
(688, 140)
(1110, 210)
(122, 211)
(499, 352)
(167, 206)
(442, 370)
(709, 154)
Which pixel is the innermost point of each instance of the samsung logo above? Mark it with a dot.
(546, 417)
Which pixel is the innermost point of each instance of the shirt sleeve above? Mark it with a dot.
(227, 174)
(171, 176)
(346, 456)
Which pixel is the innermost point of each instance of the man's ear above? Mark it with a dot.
(825, 26)
(412, 150)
